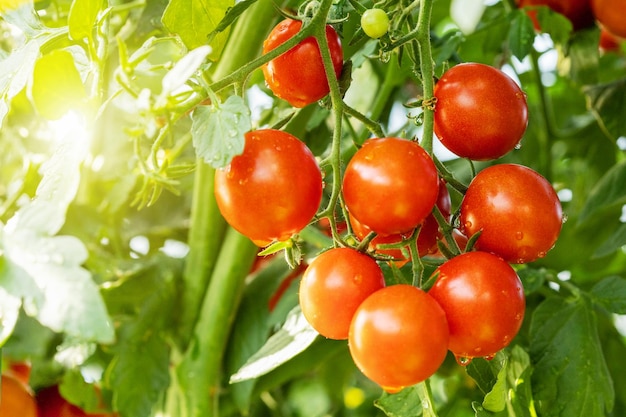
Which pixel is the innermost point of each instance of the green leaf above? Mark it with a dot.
(607, 103)
(611, 294)
(532, 278)
(184, 69)
(65, 298)
(143, 303)
(582, 56)
(253, 325)
(232, 14)
(294, 337)
(77, 391)
(613, 243)
(194, 20)
(218, 130)
(82, 18)
(570, 377)
(15, 72)
(491, 379)
(403, 404)
(57, 86)
(609, 192)
(140, 374)
(521, 34)
(554, 24)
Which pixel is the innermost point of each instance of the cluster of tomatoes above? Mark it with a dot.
(18, 400)
(585, 13)
(396, 199)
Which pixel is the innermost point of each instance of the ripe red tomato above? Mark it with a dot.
(577, 11)
(426, 241)
(298, 76)
(390, 185)
(16, 399)
(334, 285)
(398, 337)
(481, 113)
(516, 210)
(483, 299)
(609, 42)
(610, 14)
(52, 404)
(272, 190)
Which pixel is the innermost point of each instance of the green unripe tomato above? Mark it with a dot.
(375, 23)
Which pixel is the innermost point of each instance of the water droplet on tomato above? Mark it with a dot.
(489, 357)
(462, 360)
(243, 181)
(541, 254)
(467, 225)
(519, 235)
(564, 218)
(358, 278)
(392, 390)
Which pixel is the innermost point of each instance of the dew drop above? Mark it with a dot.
(518, 145)
(462, 360)
(358, 278)
(519, 235)
(541, 254)
(564, 218)
(467, 225)
(392, 390)
(243, 181)
(232, 133)
(489, 357)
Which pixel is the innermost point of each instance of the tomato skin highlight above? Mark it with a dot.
(16, 400)
(390, 185)
(398, 337)
(484, 302)
(333, 287)
(272, 190)
(481, 113)
(298, 75)
(515, 209)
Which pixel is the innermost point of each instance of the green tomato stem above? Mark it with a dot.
(426, 396)
(428, 72)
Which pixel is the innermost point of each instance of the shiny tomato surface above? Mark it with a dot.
(481, 113)
(298, 76)
(390, 185)
(272, 190)
(484, 302)
(516, 211)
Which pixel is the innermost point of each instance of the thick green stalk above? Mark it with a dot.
(199, 374)
(427, 70)
(207, 225)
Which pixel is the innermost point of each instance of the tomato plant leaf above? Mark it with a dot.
(609, 192)
(294, 337)
(521, 34)
(611, 294)
(253, 325)
(15, 72)
(554, 24)
(232, 14)
(56, 86)
(184, 69)
(194, 20)
(140, 374)
(570, 376)
(607, 102)
(218, 130)
(82, 18)
(405, 403)
(613, 243)
(9, 311)
(143, 304)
